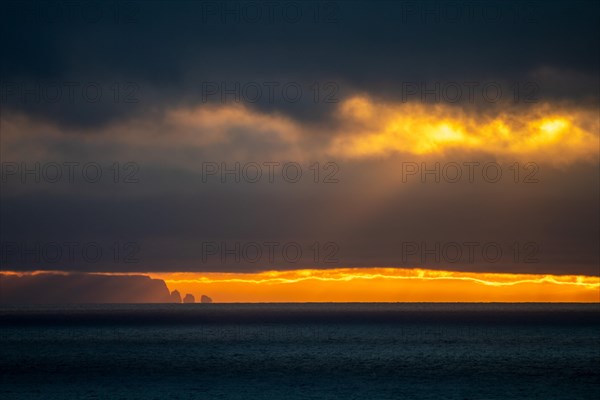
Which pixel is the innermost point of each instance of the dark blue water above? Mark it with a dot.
(301, 351)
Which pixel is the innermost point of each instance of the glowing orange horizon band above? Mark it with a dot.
(376, 285)
(383, 285)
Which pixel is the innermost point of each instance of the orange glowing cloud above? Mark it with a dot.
(384, 285)
(360, 127)
(376, 128)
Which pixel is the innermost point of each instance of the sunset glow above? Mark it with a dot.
(383, 285)
(379, 128)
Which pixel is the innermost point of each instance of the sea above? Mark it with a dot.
(344, 351)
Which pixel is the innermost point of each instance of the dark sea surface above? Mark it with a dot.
(301, 351)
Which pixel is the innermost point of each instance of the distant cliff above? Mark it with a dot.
(49, 288)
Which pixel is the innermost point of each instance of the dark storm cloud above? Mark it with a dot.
(154, 59)
(175, 227)
(168, 52)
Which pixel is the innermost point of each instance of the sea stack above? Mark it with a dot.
(205, 299)
(189, 298)
(175, 297)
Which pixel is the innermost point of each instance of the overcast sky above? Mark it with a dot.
(330, 115)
